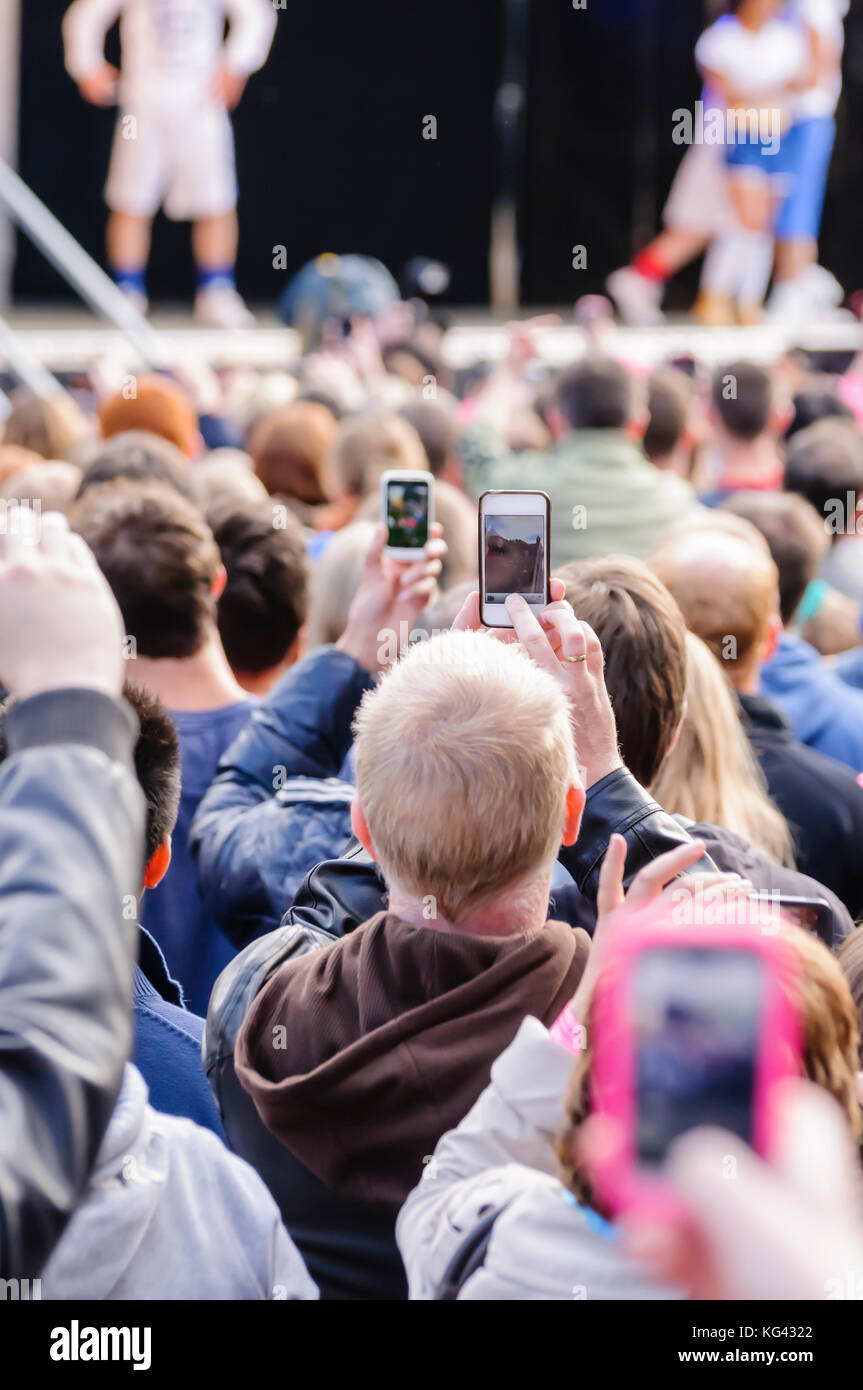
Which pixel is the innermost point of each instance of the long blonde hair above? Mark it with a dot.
(711, 774)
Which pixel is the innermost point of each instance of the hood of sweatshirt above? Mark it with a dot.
(359, 1056)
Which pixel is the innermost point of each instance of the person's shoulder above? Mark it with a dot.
(831, 782)
(511, 471)
(716, 40)
(201, 1160)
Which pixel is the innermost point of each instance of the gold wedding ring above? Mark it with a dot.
(574, 658)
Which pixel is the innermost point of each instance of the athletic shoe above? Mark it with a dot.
(822, 287)
(749, 315)
(713, 310)
(637, 298)
(220, 306)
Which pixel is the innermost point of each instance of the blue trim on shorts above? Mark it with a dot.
(764, 155)
(809, 146)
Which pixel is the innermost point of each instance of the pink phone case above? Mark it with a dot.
(622, 1184)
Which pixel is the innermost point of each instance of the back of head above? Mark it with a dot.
(437, 426)
(53, 484)
(669, 401)
(476, 735)
(157, 762)
(263, 604)
(139, 457)
(597, 394)
(742, 396)
(51, 428)
(13, 458)
(711, 775)
(824, 463)
(367, 446)
(817, 402)
(160, 559)
(289, 447)
(225, 476)
(157, 406)
(727, 589)
(795, 535)
(643, 637)
(334, 582)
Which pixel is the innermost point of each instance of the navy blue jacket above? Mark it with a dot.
(277, 806)
(167, 1049)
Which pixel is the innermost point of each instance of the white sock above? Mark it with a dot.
(756, 264)
(720, 273)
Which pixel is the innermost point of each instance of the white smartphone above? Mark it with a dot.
(513, 552)
(407, 511)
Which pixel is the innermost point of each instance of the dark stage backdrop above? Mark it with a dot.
(331, 154)
(330, 144)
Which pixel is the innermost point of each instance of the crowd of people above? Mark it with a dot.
(304, 872)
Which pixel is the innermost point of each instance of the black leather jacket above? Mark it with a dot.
(71, 850)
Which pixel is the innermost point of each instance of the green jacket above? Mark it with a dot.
(606, 496)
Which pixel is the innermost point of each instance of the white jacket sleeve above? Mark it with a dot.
(85, 25)
(252, 26)
(514, 1124)
(290, 1281)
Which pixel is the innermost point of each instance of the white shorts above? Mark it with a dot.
(699, 201)
(179, 158)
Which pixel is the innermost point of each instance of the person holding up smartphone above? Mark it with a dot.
(510, 1208)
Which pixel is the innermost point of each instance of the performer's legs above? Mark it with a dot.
(128, 246)
(133, 194)
(203, 189)
(214, 243)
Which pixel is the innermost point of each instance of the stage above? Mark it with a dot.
(65, 339)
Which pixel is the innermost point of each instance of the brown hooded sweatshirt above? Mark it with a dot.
(360, 1055)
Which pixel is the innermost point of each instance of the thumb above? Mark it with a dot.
(467, 619)
(609, 892)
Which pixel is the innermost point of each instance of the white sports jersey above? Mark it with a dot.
(170, 48)
(754, 64)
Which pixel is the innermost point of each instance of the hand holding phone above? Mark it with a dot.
(690, 1027)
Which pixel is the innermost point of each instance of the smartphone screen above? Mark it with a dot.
(407, 511)
(514, 557)
(697, 1018)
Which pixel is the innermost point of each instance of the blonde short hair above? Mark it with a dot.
(465, 755)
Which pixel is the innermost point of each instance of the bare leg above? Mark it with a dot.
(128, 241)
(793, 257)
(753, 203)
(215, 241)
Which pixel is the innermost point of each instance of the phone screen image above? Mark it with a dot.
(697, 1022)
(514, 558)
(407, 515)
